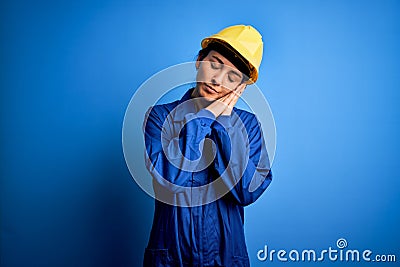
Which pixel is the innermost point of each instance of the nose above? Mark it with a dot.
(217, 78)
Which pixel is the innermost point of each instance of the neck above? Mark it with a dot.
(199, 101)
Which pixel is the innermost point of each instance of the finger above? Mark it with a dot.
(226, 103)
(225, 97)
(238, 92)
(219, 105)
(230, 103)
(231, 98)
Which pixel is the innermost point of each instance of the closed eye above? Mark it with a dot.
(233, 76)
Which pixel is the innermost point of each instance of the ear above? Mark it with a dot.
(198, 63)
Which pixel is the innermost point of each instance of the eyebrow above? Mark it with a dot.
(221, 62)
(218, 59)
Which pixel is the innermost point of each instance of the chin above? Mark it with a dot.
(209, 97)
(206, 96)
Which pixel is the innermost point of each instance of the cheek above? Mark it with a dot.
(200, 72)
(201, 75)
(228, 86)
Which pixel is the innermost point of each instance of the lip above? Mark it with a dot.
(210, 89)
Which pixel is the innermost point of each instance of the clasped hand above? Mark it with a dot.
(225, 104)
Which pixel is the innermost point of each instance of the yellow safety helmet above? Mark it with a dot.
(245, 41)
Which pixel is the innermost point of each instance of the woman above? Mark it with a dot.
(202, 140)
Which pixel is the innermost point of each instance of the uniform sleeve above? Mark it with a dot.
(173, 154)
(241, 162)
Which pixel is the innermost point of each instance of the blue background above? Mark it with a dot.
(331, 74)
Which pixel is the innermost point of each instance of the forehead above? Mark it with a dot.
(217, 56)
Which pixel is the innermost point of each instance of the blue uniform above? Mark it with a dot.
(184, 231)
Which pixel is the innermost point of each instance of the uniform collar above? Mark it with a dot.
(184, 106)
